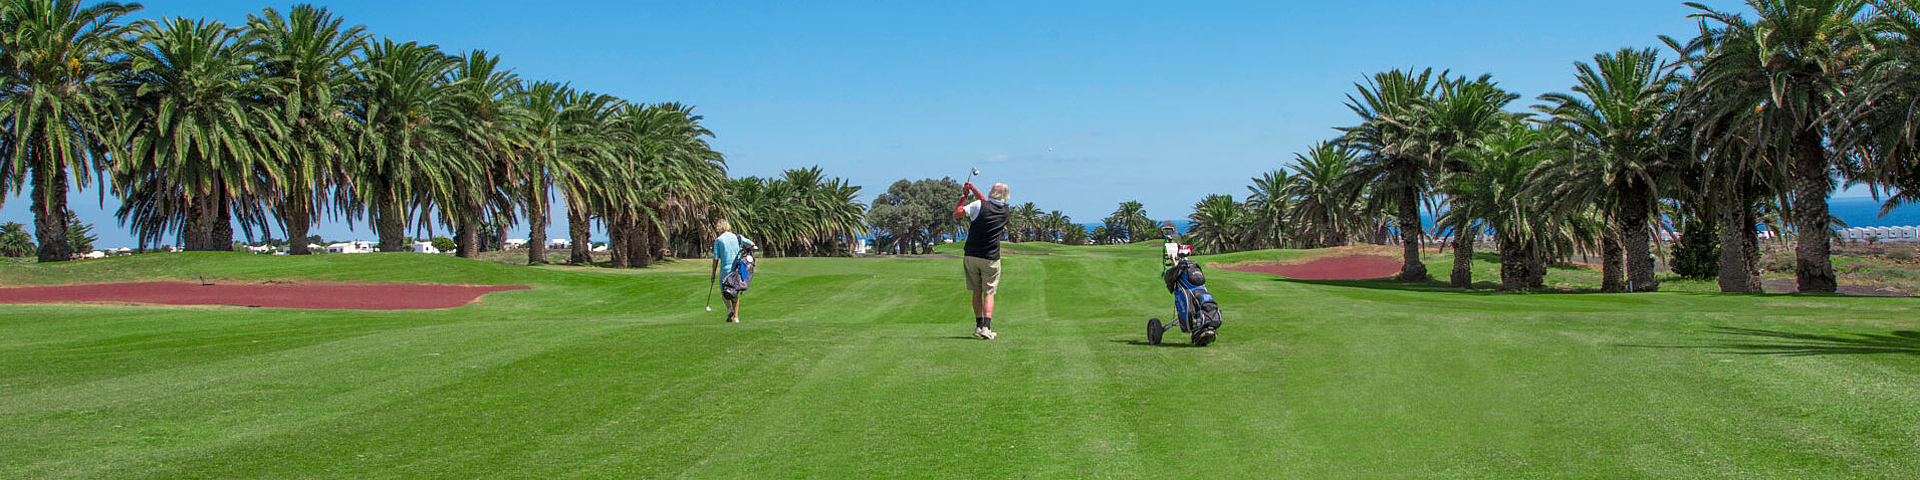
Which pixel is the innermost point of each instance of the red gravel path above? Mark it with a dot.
(307, 295)
(1349, 267)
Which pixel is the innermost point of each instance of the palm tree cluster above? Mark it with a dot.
(298, 117)
(1029, 223)
(1752, 118)
(799, 213)
(1127, 224)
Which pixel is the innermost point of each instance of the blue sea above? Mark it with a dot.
(1865, 212)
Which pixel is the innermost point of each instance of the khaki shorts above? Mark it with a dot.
(982, 275)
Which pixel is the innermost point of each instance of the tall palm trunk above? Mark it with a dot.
(537, 221)
(391, 226)
(1637, 236)
(616, 239)
(467, 233)
(1733, 271)
(50, 211)
(1536, 265)
(197, 226)
(1811, 185)
(1514, 270)
(1613, 262)
(295, 219)
(1411, 269)
(1462, 276)
(389, 223)
(221, 239)
(1752, 248)
(662, 247)
(203, 230)
(580, 229)
(638, 250)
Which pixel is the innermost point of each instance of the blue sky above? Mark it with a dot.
(1077, 105)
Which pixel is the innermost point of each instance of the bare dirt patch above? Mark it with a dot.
(1345, 267)
(268, 293)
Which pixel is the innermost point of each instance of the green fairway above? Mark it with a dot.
(864, 367)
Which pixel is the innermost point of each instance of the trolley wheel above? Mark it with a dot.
(1154, 330)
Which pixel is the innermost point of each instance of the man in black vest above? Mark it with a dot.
(988, 215)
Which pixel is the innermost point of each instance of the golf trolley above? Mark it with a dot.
(1198, 315)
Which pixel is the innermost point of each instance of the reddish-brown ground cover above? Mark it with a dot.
(1347, 267)
(307, 295)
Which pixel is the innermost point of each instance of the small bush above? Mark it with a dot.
(1698, 253)
(1901, 255)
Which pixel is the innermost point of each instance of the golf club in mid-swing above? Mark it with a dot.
(970, 178)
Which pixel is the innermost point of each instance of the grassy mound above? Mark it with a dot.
(863, 367)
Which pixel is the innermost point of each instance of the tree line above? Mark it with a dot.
(298, 117)
(1750, 121)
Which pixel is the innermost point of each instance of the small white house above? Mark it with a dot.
(95, 254)
(358, 246)
(560, 244)
(513, 243)
(424, 247)
(259, 249)
(599, 249)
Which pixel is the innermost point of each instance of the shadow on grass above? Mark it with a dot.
(1144, 343)
(1753, 341)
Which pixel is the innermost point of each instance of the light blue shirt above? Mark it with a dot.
(726, 248)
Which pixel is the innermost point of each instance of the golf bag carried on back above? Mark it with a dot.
(1197, 314)
(741, 277)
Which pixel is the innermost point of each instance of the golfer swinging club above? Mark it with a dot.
(725, 250)
(988, 215)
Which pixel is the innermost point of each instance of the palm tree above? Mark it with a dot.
(1219, 223)
(199, 147)
(1449, 126)
(1613, 115)
(1390, 162)
(1886, 118)
(1496, 187)
(15, 241)
(1130, 222)
(1322, 208)
(1055, 224)
(588, 117)
(58, 64)
(1267, 206)
(670, 178)
(543, 158)
(1026, 223)
(1786, 74)
(483, 96)
(407, 154)
(307, 60)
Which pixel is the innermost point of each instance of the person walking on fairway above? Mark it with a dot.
(725, 250)
(988, 215)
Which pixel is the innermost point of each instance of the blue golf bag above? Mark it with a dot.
(1197, 313)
